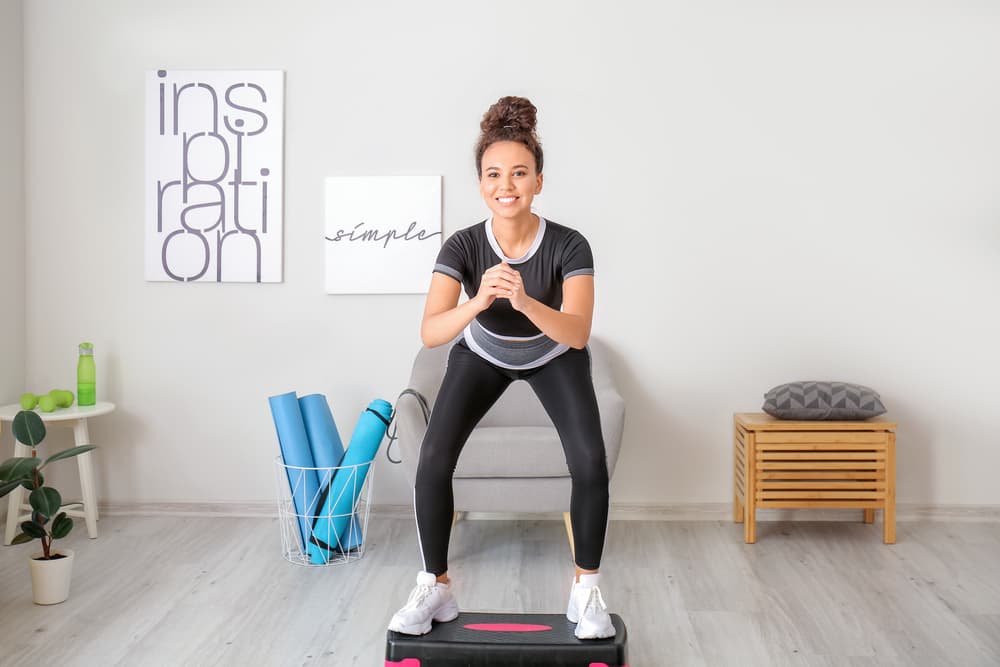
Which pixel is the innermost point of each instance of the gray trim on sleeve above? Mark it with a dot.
(579, 272)
(448, 271)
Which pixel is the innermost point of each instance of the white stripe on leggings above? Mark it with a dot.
(420, 544)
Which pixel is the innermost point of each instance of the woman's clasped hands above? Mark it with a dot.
(502, 282)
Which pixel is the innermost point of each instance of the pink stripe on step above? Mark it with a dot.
(407, 662)
(508, 627)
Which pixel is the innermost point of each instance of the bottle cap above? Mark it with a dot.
(86, 348)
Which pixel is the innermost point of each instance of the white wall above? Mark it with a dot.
(12, 325)
(802, 191)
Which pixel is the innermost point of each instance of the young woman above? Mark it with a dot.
(530, 283)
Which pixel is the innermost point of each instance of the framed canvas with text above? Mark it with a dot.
(214, 147)
(383, 233)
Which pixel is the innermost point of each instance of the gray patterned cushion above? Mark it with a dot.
(822, 401)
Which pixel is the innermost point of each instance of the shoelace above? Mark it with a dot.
(419, 594)
(595, 599)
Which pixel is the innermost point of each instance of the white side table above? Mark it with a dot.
(75, 416)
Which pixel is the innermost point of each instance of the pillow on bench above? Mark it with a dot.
(832, 401)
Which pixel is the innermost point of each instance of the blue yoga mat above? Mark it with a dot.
(327, 451)
(295, 451)
(342, 494)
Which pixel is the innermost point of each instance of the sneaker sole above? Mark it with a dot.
(447, 613)
(596, 634)
(411, 629)
(444, 615)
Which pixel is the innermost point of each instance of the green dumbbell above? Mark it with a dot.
(63, 398)
(29, 401)
(56, 397)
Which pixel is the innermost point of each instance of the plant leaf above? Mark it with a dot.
(21, 538)
(33, 529)
(28, 428)
(61, 526)
(45, 500)
(67, 453)
(18, 468)
(7, 487)
(39, 518)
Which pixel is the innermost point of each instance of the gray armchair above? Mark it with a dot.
(513, 461)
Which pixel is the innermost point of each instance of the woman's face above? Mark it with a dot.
(509, 182)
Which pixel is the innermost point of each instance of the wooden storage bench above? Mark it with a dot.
(782, 463)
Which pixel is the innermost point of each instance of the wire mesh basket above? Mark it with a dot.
(323, 512)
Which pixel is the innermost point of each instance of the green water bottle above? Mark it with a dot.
(86, 376)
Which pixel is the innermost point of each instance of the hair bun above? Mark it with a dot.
(510, 113)
(509, 119)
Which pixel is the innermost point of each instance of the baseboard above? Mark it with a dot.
(724, 512)
(619, 512)
(202, 509)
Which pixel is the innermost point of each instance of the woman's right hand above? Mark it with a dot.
(497, 282)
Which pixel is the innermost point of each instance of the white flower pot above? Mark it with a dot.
(50, 578)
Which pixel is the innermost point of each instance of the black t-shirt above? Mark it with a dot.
(503, 335)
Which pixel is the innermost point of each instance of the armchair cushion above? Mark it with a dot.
(504, 451)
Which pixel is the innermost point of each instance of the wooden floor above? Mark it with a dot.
(216, 591)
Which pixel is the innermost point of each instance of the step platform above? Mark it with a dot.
(477, 639)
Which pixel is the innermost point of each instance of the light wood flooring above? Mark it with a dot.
(216, 591)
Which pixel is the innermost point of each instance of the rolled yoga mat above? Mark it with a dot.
(327, 451)
(339, 498)
(295, 451)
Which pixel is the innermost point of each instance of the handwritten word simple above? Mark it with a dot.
(370, 235)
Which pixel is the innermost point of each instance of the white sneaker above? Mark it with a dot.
(577, 601)
(430, 600)
(595, 622)
(579, 593)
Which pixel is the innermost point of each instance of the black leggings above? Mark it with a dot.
(471, 386)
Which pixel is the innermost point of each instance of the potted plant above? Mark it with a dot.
(50, 569)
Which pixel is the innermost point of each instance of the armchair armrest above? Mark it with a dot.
(425, 379)
(410, 429)
(612, 407)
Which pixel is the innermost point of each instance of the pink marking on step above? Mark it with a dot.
(508, 627)
(407, 662)
(603, 664)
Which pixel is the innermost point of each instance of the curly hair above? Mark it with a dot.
(509, 119)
